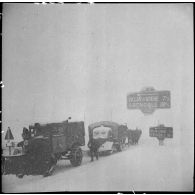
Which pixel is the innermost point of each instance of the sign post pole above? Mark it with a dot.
(9, 149)
(161, 142)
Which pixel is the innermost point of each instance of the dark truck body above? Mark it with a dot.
(63, 136)
(41, 151)
(116, 137)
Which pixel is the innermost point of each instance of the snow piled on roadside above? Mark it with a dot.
(146, 167)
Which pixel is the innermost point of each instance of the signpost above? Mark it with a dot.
(9, 136)
(161, 132)
(148, 100)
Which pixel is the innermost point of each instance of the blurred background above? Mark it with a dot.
(82, 60)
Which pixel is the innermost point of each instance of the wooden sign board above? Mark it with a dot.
(148, 100)
(161, 132)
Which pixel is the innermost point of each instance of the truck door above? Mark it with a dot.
(58, 140)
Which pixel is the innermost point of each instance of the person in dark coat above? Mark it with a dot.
(26, 136)
(94, 147)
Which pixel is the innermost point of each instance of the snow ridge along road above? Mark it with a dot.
(145, 167)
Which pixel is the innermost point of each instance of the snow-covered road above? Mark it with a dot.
(145, 167)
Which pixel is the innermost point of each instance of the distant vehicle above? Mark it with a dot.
(110, 135)
(133, 136)
(44, 145)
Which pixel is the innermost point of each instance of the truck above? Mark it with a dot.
(43, 145)
(110, 135)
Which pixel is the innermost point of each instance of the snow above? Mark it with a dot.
(102, 55)
(145, 167)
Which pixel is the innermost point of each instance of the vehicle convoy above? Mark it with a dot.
(110, 135)
(43, 145)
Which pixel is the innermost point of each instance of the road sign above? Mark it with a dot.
(9, 135)
(161, 132)
(148, 100)
(166, 132)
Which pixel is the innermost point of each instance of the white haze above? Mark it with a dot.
(82, 61)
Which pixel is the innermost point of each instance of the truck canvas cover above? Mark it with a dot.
(101, 132)
(111, 125)
(63, 134)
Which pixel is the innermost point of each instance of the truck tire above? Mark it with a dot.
(112, 150)
(76, 156)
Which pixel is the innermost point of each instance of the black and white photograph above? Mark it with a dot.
(97, 97)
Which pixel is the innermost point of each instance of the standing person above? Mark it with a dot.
(94, 147)
(25, 136)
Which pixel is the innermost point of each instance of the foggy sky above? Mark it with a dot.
(82, 61)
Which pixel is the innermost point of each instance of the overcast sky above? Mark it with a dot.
(82, 61)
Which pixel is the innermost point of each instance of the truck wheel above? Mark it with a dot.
(112, 150)
(76, 157)
(109, 152)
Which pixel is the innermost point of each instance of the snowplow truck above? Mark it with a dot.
(110, 135)
(43, 145)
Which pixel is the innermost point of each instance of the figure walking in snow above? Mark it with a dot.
(94, 147)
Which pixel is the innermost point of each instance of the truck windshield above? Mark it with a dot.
(101, 132)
